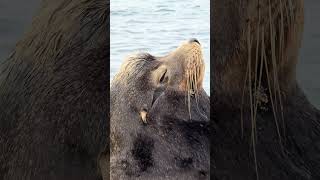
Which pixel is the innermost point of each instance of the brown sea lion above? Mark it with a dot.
(265, 126)
(159, 117)
(53, 95)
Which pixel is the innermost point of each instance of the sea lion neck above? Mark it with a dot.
(256, 49)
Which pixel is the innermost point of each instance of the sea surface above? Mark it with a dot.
(158, 27)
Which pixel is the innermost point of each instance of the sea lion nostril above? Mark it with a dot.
(192, 40)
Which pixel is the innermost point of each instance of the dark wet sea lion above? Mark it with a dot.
(53, 94)
(173, 143)
(265, 126)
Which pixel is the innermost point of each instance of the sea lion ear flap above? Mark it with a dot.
(145, 111)
(143, 115)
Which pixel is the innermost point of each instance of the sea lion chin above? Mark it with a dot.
(265, 126)
(154, 103)
(255, 42)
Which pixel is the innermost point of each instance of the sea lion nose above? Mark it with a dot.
(192, 40)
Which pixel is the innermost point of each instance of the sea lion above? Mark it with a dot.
(53, 95)
(159, 117)
(265, 128)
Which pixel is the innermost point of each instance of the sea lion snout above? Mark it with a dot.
(185, 63)
(194, 40)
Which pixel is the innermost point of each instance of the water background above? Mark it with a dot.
(162, 31)
(15, 18)
(308, 71)
(158, 27)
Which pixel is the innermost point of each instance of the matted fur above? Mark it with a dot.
(53, 100)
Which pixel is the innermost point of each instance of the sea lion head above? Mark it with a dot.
(142, 77)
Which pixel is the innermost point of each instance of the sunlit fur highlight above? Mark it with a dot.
(132, 67)
(194, 73)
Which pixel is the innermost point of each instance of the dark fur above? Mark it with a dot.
(170, 145)
(297, 157)
(53, 100)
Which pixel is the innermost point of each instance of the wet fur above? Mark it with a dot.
(170, 145)
(273, 139)
(53, 100)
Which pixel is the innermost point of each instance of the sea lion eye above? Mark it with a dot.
(163, 77)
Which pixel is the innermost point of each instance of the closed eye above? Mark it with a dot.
(162, 79)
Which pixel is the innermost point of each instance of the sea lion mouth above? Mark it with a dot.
(194, 71)
(193, 65)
